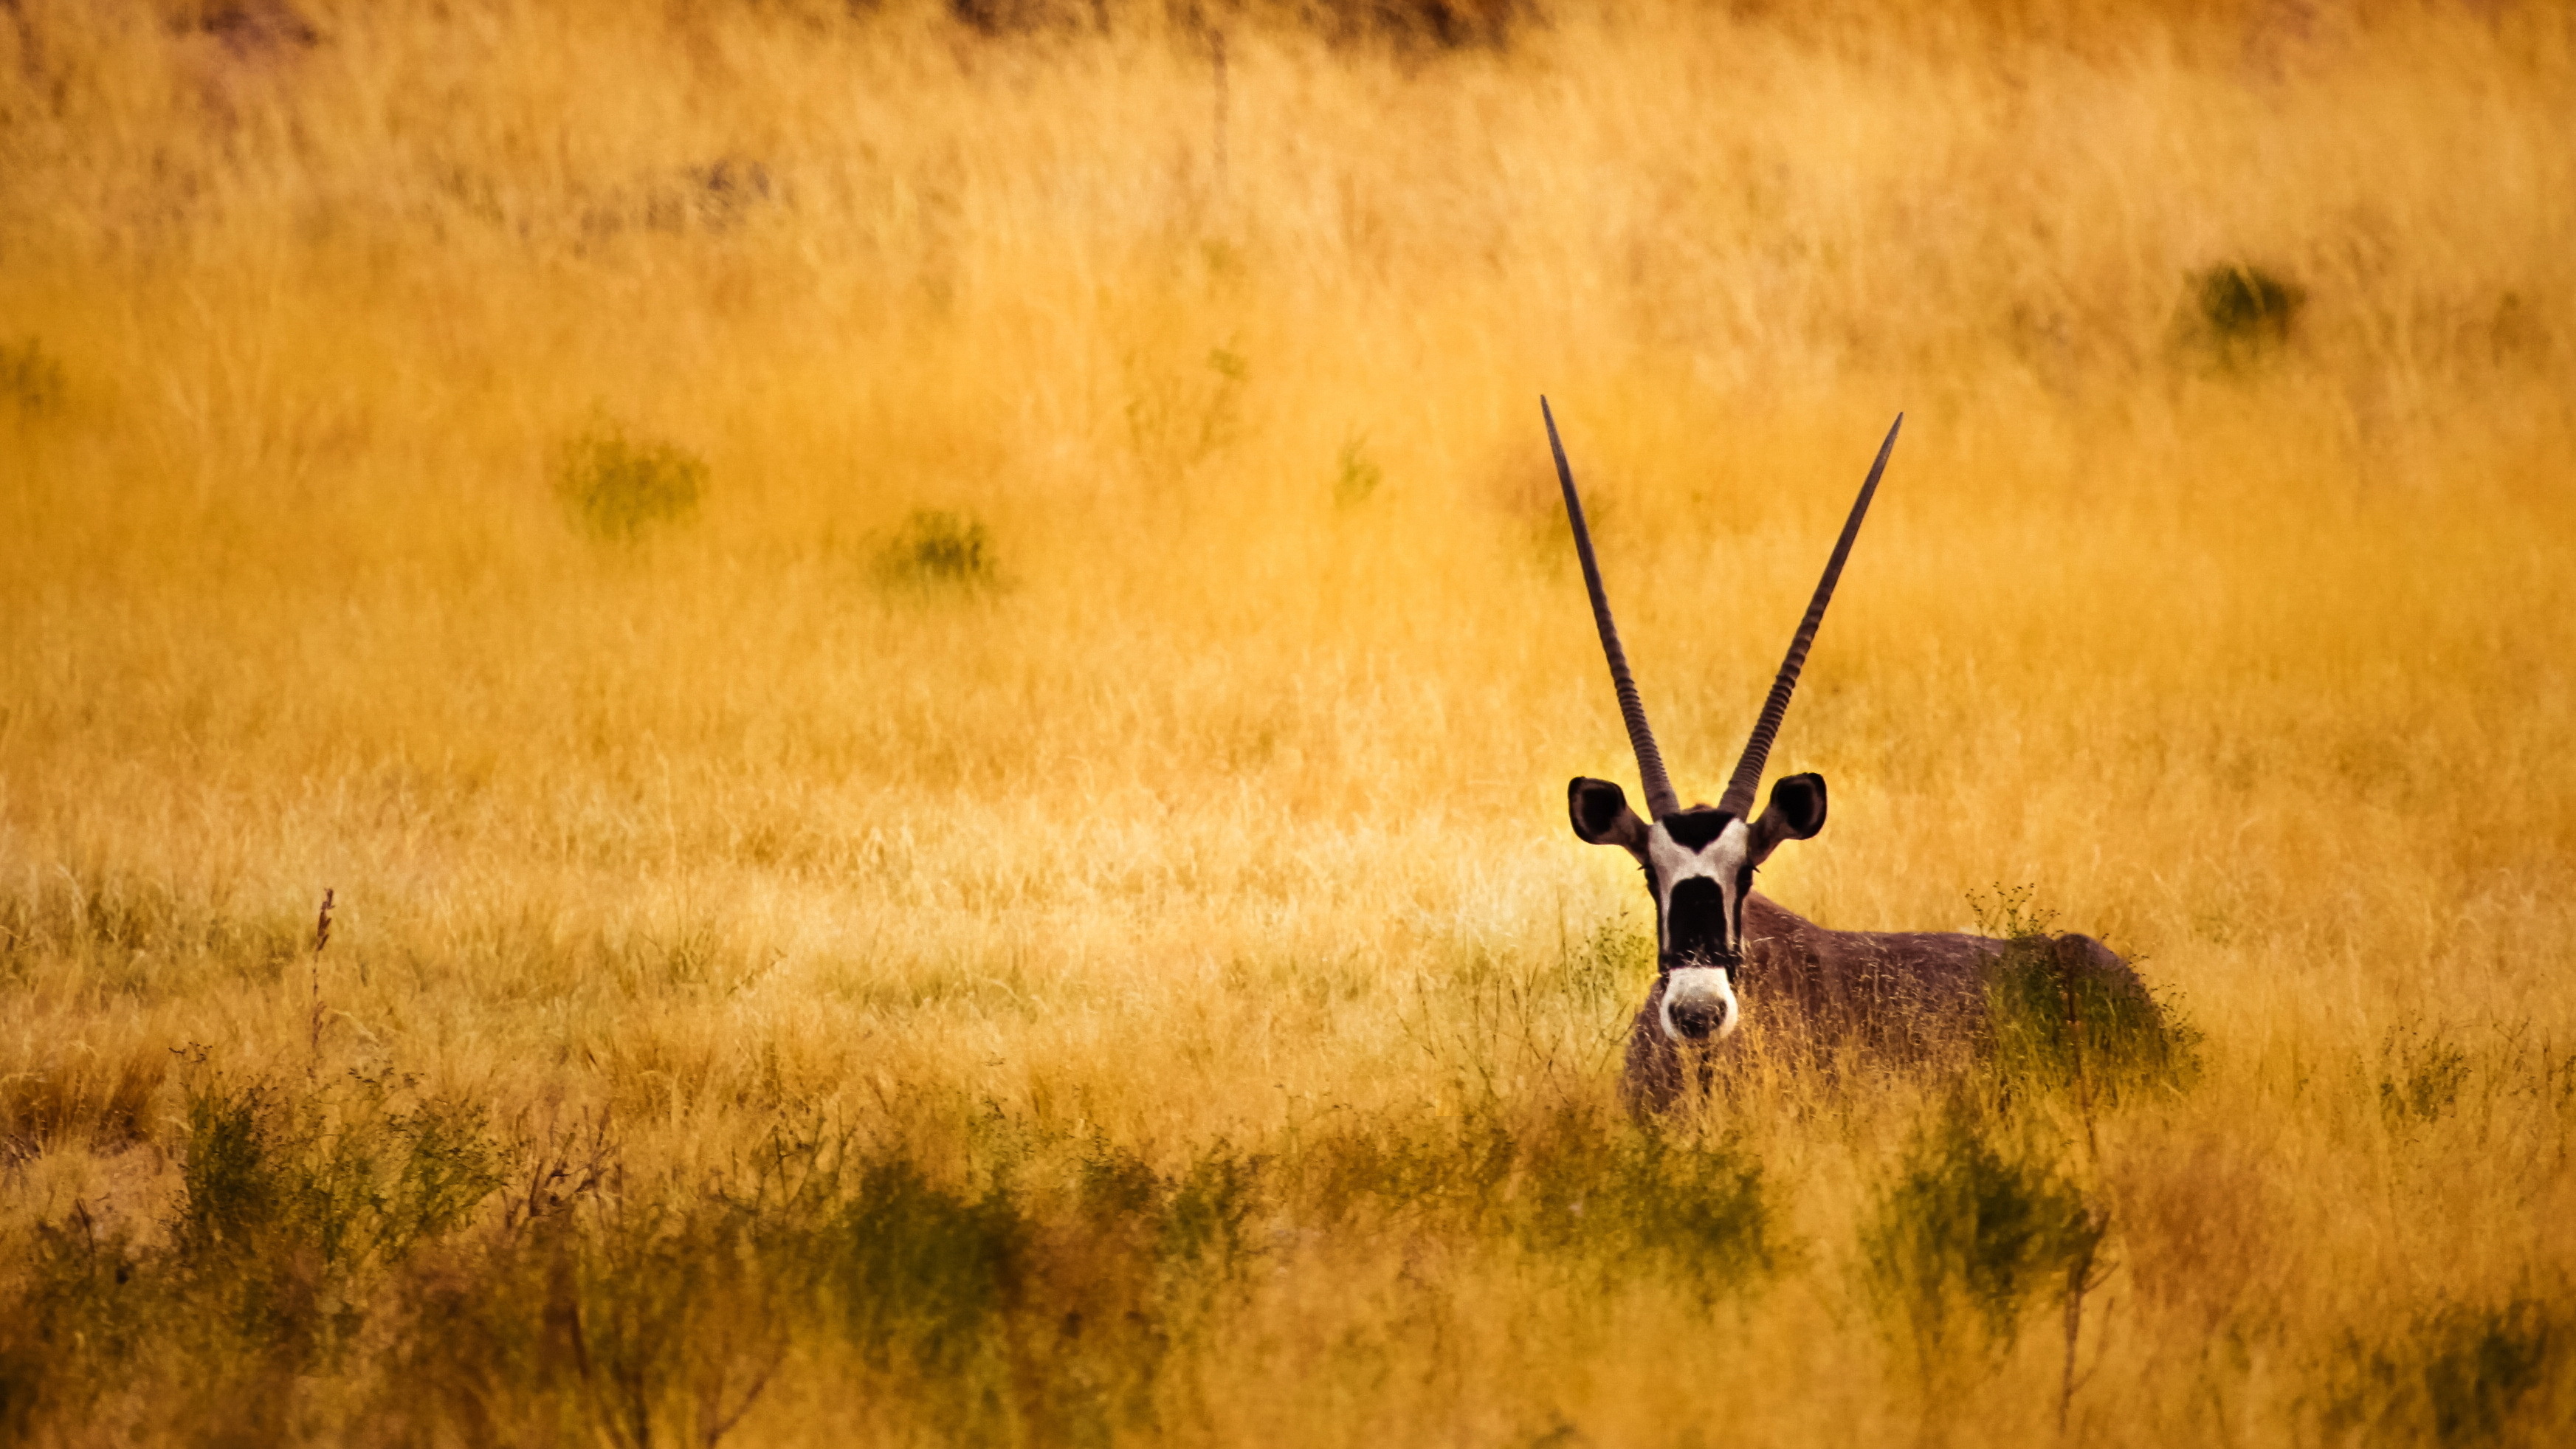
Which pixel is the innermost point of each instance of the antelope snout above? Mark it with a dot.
(1699, 1004)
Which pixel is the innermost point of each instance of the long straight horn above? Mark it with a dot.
(1748, 771)
(1660, 800)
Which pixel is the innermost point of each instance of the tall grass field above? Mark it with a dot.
(929, 658)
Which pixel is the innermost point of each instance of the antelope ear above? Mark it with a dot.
(1602, 817)
(1796, 812)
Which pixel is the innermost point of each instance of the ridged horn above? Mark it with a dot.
(1748, 770)
(1660, 800)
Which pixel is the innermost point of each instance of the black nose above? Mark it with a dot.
(1697, 1017)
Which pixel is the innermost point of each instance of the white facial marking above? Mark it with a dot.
(1722, 861)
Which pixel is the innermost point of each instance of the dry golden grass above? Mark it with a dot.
(809, 970)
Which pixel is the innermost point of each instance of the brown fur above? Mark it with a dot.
(1908, 995)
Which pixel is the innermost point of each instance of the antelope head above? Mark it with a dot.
(1699, 862)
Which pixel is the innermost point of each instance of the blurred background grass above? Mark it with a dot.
(932, 653)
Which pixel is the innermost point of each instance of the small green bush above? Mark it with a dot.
(1359, 475)
(2422, 1080)
(1968, 1225)
(1636, 1201)
(2459, 1374)
(1591, 1196)
(235, 1187)
(620, 488)
(2240, 314)
(290, 1208)
(30, 377)
(939, 549)
(923, 1268)
(366, 1186)
(2481, 1363)
(1209, 1206)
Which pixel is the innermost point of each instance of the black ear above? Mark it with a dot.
(1796, 812)
(1602, 817)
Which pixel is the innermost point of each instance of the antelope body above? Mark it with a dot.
(1900, 994)
(1720, 946)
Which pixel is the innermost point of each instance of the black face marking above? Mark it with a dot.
(1695, 933)
(1694, 828)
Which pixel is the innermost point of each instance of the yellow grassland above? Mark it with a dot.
(1222, 810)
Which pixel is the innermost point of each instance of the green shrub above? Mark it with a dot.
(289, 1208)
(1596, 1196)
(1966, 1226)
(30, 377)
(357, 1185)
(925, 1270)
(1634, 1200)
(2239, 314)
(2460, 1374)
(1358, 476)
(1205, 1216)
(2423, 1079)
(940, 550)
(2481, 1363)
(233, 1185)
(621, 489)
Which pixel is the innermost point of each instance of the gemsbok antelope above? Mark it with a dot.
(1720, 946)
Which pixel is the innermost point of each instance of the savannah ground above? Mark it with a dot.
(933, 661)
